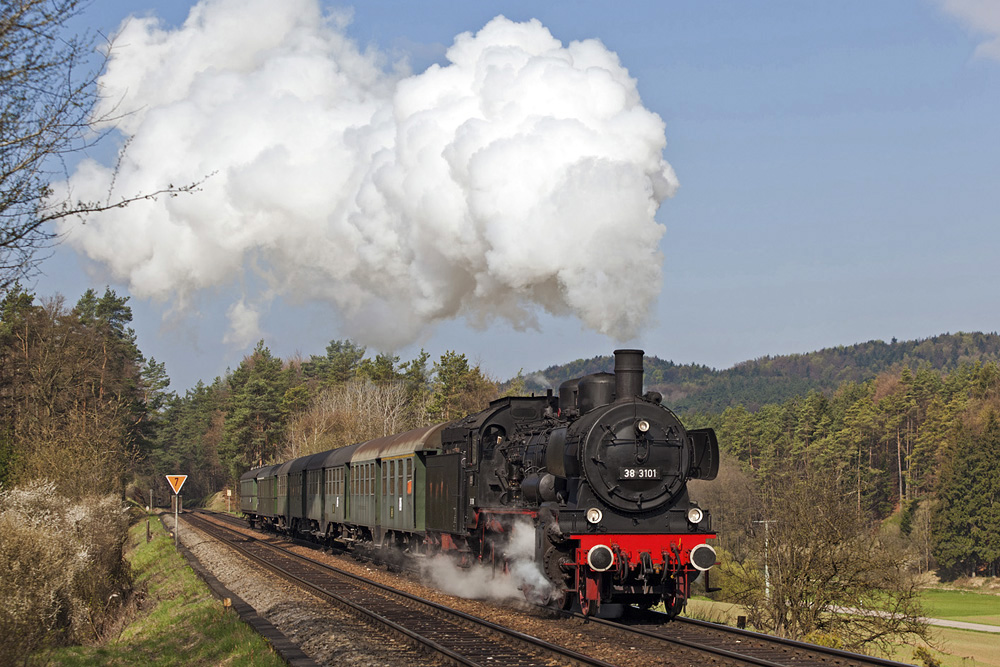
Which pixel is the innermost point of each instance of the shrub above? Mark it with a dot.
(63, 576)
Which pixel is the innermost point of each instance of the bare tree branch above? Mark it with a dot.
(47, 100)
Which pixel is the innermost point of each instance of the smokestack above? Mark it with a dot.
(628, 373)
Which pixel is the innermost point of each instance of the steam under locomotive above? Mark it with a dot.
(599, 472)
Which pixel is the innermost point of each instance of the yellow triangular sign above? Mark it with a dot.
(176, 482)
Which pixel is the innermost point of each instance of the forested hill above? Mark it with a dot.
(697, 388)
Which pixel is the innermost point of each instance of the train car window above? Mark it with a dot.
(409, 478)
(392, 477)
(399, 478)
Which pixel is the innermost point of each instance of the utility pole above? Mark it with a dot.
(767, 572)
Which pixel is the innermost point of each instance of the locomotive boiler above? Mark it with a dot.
(599, 473)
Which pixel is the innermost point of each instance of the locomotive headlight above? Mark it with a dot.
(594, 515)
(642, 426)
(695, 515)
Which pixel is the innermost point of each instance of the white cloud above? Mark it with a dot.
(244, 325)
(522, 175)
(981, 16)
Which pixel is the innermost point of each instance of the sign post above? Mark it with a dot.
(176, 482)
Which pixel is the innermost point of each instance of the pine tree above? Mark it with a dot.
(967, 521)
(253, 427)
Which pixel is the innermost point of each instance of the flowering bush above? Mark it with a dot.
(63, 576)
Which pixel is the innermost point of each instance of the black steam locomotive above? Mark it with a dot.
(600, 474)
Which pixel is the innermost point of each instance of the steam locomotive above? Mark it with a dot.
(598, 472)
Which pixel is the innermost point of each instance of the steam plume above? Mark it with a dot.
(522, 175)
(522, 580)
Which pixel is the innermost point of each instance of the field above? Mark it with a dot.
(953, 647)
(962, 648)
(962, 606)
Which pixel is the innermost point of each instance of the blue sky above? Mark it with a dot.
(838, 167)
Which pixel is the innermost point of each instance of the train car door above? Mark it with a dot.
(406, 492)
(445, 500)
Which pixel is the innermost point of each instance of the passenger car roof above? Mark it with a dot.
(338, 457)
(423, 439)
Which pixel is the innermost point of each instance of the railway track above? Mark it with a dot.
(455, 637)
(683, 641)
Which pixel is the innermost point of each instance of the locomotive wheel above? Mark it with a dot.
(586, 605)
(553, 562)
(673, 605)
(562, 600)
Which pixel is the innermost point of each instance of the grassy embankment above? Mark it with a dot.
(953, 647)
(178, 621)
(217, 503)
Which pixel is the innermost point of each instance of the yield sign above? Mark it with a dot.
(176, 482)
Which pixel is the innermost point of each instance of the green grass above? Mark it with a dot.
(958, 648)
(178, 623)
(962, 606)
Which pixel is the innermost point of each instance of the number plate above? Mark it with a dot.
(638, 473)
